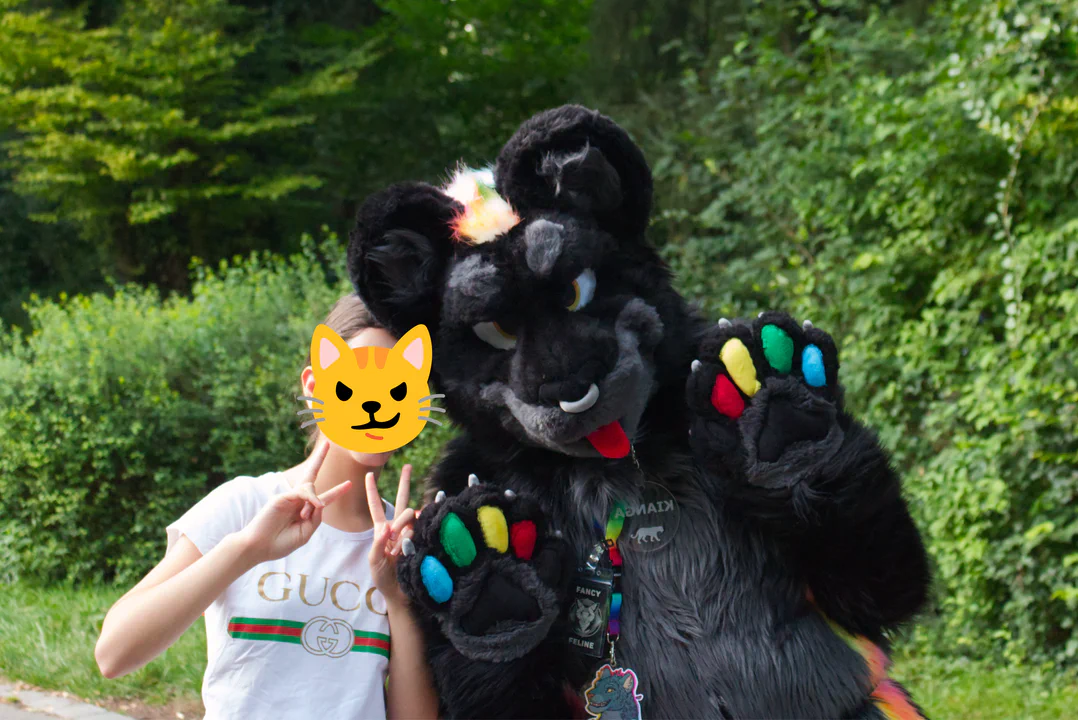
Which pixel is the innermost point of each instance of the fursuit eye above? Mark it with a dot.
(493, 334)
(343, 391)
(583, 290)
(399, 392)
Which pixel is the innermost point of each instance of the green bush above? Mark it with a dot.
(909, 183)
(121, 411)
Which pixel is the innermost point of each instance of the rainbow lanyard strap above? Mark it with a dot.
(614, 525)
(625, 679)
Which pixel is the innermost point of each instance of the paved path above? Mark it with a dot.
(35, 705)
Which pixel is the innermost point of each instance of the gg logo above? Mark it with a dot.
(328, 636)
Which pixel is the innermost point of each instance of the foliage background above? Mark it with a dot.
(901, 172)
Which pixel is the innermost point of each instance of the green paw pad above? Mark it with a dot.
(778, 347)
(457, 541)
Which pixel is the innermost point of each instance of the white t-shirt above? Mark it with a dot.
(303, 637)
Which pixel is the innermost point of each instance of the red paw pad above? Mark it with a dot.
(522, 538)
(726, 398)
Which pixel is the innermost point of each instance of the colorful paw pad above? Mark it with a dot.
(735, 356)
(812, 366)
(778, 349)
(461, 550)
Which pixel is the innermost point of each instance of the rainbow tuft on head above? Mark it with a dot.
(486, 213)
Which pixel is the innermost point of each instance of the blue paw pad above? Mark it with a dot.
(436, 579)
(812, 366)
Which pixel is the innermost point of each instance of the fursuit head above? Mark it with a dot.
(771, 549)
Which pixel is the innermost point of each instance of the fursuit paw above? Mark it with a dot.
(483, 565)
(766, 399)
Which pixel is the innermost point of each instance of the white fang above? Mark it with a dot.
(584, 403)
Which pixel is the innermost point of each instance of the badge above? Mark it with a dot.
(651, 521)
(590, 611)
(612, 694)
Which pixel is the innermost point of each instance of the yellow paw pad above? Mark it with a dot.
(495, 529)
(735, 356)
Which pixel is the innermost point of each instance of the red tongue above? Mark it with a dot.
(610, 440)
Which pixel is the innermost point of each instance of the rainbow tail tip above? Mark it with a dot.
(894, 703)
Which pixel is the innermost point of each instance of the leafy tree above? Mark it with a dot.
(156, 131)
(142, 136)
(909, 181)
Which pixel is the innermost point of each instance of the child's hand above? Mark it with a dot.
(289, 520)
(388, 537)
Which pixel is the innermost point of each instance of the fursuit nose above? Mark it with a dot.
(584, 403)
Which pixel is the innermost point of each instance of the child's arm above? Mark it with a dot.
(410, 693)
(152, 615)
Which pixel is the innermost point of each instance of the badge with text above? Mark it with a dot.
(370, 399)
(590, 611)
(650, 521)
(612, 695)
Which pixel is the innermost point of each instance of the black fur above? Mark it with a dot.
(794, 499)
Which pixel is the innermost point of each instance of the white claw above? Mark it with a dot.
(760, 315)
(440, 496)
(724, 323)
(695, 365)
(557, 533)
(510, 494)
(408, 547)
(807, 325)
(472, 480)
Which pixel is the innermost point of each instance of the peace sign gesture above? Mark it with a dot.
(289, 520)
(389, 536)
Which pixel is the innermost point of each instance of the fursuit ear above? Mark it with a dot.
(579, 161)
(397, 254)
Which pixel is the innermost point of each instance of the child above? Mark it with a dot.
(296, 574)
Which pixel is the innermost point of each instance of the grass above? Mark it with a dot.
(974, 690)
(47, 639)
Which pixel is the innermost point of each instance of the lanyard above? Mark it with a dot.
(614, 525)
(624, 678)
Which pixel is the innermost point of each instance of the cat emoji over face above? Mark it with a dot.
(371, 399)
